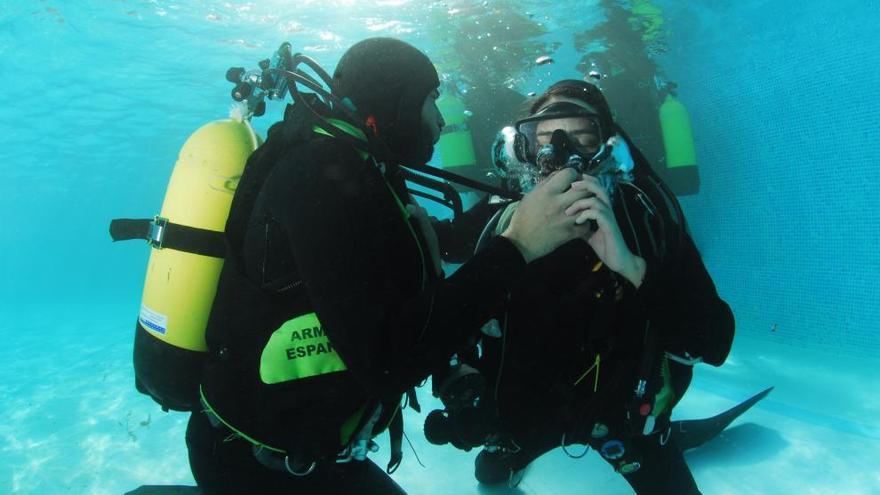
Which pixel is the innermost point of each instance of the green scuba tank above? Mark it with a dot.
(678, 141)
(649, 17)
(456, 144)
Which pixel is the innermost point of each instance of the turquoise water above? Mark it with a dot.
(99, 96)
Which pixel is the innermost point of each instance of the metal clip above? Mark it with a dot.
(640, 388)
(157, 231)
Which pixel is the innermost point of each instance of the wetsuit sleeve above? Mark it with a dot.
(682, 303)
(351, 245)
(458, 237)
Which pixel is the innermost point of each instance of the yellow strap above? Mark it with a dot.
(348, 428)
(406, 217)
(210, 410)
(595, 365)
(666, 395)
(347, 128)
(357, 133)
(343, 126)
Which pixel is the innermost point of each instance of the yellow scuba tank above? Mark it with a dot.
(456, 145)
(678, 141)
(185, 262)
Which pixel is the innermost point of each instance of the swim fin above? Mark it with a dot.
(692, 433)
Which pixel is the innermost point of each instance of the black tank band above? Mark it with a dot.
(162, 234)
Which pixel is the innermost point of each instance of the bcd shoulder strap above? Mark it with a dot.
(294, 129)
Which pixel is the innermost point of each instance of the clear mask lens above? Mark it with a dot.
(582, 131)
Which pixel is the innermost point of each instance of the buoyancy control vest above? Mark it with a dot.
(652, 224)
(650, 232)
(274, 360)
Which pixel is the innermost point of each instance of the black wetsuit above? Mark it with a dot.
(562, 314)
(324, 233)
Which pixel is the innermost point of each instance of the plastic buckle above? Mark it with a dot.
(157, 232)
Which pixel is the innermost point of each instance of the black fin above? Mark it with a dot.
(692, 433)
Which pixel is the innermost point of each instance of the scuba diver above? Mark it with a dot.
(331, 304)
(595, 343)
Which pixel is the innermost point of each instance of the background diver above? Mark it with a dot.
(595, 343)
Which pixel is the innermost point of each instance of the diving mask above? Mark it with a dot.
(564, 125)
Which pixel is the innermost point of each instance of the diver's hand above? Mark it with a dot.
(607, 241)
(424, 221)
(540, 223)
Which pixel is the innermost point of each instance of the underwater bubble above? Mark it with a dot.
(544, 59)
(468, 113)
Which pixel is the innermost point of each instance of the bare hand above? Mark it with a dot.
(540, 223)
(607, 241)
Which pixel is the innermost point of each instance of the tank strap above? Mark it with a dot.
(163, 234)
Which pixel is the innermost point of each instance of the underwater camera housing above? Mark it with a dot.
(463, 422)
(465, 429)
(254, 86)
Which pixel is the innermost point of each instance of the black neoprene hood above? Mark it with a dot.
(587, 93)
(388, 80)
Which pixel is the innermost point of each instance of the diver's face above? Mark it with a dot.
(432, 121)
(581, 131)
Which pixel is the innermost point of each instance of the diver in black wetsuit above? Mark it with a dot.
(331, 303)
(596, 342)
